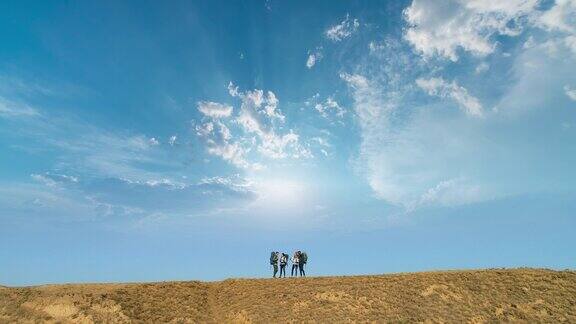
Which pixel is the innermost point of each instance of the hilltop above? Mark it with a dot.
(444, 296)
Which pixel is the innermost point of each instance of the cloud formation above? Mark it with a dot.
(253, 133)
(172, 140)
(440, 88)
(111, 196)
(444, 27)
(10, 109)
(313, 58)
(415, 154)
(342, 30)
(560, 17)
(570, 92)
(214, 109)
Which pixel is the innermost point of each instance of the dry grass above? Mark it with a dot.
(526, 295)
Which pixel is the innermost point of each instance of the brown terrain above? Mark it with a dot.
(525, 295)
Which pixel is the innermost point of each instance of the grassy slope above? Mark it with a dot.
(453, 296)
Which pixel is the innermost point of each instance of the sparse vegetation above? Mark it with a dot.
(451, 296)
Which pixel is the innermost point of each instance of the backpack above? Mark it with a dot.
(273, 258)
(303, 257)
(284, 259)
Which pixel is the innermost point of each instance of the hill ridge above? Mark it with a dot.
(439, 296)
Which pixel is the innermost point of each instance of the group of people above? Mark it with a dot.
(299, 259)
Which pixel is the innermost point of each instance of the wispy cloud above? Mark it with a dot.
(91, 149)
(409, 149)
(214, 109)
(342, 30)
(11, 109)
(109, 196)
(170, 197)
(330, 106)
(52, 179)
(440, 88)
(407, 162)
(570, 92)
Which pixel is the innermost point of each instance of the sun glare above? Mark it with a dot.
(280, 192)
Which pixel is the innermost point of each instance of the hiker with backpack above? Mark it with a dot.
(283, 263)
(295, 260)
(274, 262)
(303, 259)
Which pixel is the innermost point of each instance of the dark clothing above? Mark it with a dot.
(282, 270)
(275, 270)
(302, 273)
(294, 270)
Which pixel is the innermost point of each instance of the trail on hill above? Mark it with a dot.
(454, 296)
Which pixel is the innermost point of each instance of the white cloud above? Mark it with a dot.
(283, 146)
(561, 17)
(343, 30)
(121, 173)
(233, 153)
(311, 61)
(543, 71)
(256, 103)
(172, 140)
(321, 141)
(314, 57)
(13, 109)
(218, 139)
(452, 192)
(258, 112)
(440, 88)
(374, 111)
(234, 184)
(370, 104)
(570, 42)
(570, 92)
(416, 157)
(92, 149)
(481, 68)
(214, 109)
(258, 120)
(163, 194)
(323, 145)
(330, 107)
(443, 27)
(54, 179)
(46, 202)
(153, 141)
(205, 129)
(407, 163)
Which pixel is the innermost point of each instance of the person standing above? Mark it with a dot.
(295, 261)
(283, 263)
(274, 263)
(303, 259)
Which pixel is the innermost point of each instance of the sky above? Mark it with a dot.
(146, 140)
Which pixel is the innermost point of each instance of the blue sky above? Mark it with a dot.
(156, 141)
